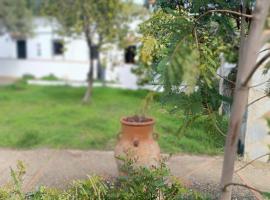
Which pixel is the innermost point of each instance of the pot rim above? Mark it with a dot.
(151, 122)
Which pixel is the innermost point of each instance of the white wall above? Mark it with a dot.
(40, 68)
(257, 138)
(7, 47)
(67, 70)
(72, 65)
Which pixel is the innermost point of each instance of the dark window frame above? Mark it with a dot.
(21, 46)
(130, 54)
(58, 47)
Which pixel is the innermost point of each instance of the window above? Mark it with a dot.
(21, 49)
(58, 47)
(130, 54)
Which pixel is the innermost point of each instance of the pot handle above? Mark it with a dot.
(155, 136)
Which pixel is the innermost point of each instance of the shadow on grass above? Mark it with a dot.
(28, 140)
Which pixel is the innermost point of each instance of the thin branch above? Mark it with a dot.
(267, 95)
(258, 64)
(216, 11)
(242, 185)
(259, 84)
(214, 121)
(196, 38)
(264, 50)
(226, 79)
(244, 166)
(224, 11)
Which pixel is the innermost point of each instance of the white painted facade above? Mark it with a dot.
(73, 64)
(255, 134)
(257, 137)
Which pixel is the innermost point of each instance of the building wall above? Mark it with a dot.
(72, 65)
(257, 137)
(39, 68)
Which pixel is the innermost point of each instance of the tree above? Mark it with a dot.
(15, 18)
(99, 22)
(247, 66)
(181, 44)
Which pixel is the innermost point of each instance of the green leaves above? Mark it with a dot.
(266, 195)
(183, 66)
(147, 51)
(16, 17)
(105, 18)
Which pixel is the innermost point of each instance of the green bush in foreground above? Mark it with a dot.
(137, 184)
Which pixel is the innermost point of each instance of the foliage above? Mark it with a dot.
(181, 48)
(138, 184)
(99, 21)
(53, 117)
(13, 190)
(15, 18)
(50, 77)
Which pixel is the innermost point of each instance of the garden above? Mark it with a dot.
(200, 131)
(55, 117)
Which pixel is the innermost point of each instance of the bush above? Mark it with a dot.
(50, 77)
(28, 77)
(138, 184)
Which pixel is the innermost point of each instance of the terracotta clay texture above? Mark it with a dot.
(136, 141)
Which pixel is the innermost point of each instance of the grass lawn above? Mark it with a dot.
(43, 116)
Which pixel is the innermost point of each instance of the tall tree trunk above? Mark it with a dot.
(90, 75)
(101, 70)
(90, 79)
(247, 62)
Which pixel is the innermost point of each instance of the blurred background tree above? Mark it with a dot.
(15, 18)
(100, 22)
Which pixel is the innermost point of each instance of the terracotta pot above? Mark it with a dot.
(136, 141)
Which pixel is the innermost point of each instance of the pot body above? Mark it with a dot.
(136, 143)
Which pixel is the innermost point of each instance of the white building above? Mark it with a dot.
(47, 53)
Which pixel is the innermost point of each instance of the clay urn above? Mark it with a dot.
(137, 142)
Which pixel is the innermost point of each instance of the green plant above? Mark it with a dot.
(139, 183)
(21, 83)
(13, 190)
(50, 77)
(28, 77)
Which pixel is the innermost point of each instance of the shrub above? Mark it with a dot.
(138, 184)
(50, 77)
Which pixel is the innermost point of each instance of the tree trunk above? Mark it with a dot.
(247, 61)
(88, 94)
(101, 70)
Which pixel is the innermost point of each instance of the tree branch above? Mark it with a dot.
(216, 11)
(242, 185)
(226, 79)
(259, 84)
(264, 50)
(257, 100)
(258, 64)
(224, 11)
(244, 166)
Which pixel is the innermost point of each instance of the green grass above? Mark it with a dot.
(54, 117)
